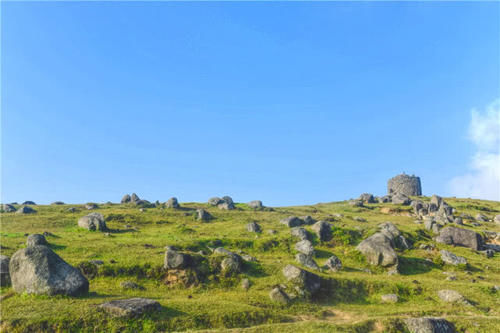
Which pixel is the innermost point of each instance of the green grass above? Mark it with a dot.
(351, 302)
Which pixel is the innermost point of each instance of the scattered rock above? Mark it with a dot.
(303, 279)
(300, 233)
(131, 285)
(306, 260)
(175, 260)
(460, 237)
(203, 215)
(389, 298)
(25, 210)
(458, 221)
(481, 218)
(253, 227)
(39, 270)
(452, 259)
(292, 221)
(323, 230)
(378, 250)
(172, 203)
(71, 210)
(4, 271)
(91, 206)
(400, 199)
(432, 225)
(231, 265)
(367, 198)
(305, 247)
(214, 201)
(92, 221)
(279, 295)
(334, 264)
(55, 203)
(126, 199)
(248, 258)
(451, 296)
(8, 208)
(225, 202)
(29, 203)
(384, 199)
(429, 325)
(255, 204)
(404, 184)
(130, 307)
(36, 239)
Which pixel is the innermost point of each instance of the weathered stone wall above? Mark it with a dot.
(404, 184)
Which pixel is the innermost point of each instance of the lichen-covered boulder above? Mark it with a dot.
(306, 261)
(429, 325)
(92, 221)
(378, 250)
(299, 232)
(279, 296)
(323, 230)
(367, 198)
(452, 296)
(4, 271)
(39, 270)
(36, 239)
(461, 237)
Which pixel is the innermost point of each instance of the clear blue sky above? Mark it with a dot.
(290, 103)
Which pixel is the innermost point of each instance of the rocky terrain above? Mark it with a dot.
(395, 263)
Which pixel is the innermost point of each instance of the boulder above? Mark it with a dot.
(367, 198)
(175, 260)
(279, 296)
(436, 201)
(400, 199)
(226, 203)
(355, 203)
(429, 325)
(458, 221)
(432, 225)
(292, 221)
(359, 219)
(451, 296)
(134, 198)
(389, 298)
(378, 250)
(230, 265)
(131, 285)
(481, 218)
(172, 203)
(71, 210)
(323, 230)
(92, 221)
(57, 203)
(28, 203)
(255, 204)
(305, 247)
(308, 220)
(25, 210)
(203, 215)
(91, 206)
(126, 199)
(306, 261)
(384, 199)
(334, 264)
(39, 270)
(131, 307)
(393, 233)
(404, 184)
(36, 239)
(4, 271)
(7, 208)
(253, 227)
(303, 279)
(299, 232)
(214, 201)
(497, 219)
(460, 237)
(452, 259)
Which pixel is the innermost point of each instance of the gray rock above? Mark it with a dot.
(489, 253)
(203, 215)
(71, 210)
(126, 199)
(92, 221)
(253, 227)
(7, 208)
(292, 221)
(172, 203)
(323, 230)
(36, 239)
(308, 220)
(57, 203)
(255, 204)
(131, 307)
(436, 201)
(355, 203)
(245, 284)
(4, 271)
(230, 265)
(248, 258)
(306, 261)
(497, 219)
(131, 285)
(458, 221)
(460, 237)
(389, 298)
(493, 247)
(303, 279)
(175, 260)
(378, 250)
(29, 203)
(481, 218)
(452, 259)
(214, 201)
(91, 206)
(226, 206)
(359, 219)
(299, 232)
(305, 247)
(451, 296)
(25, 210)
(429, 325)
(400, 199)
(39, 270)
(432, 225)
(334, 264)
(279, 296)
(393, 233)
(385, 199)
(367, 198)
(404, 184)
(134, 198)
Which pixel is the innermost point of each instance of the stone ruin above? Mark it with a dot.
(404, 184)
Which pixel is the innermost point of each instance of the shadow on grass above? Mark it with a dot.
(57, 247)
(413, 266)
(120, 231)
(322, 254)
(254, 270)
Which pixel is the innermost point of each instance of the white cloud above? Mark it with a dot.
(483, 179)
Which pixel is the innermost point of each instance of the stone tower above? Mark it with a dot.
(404, 184)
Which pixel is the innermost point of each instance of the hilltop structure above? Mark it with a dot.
(404, 184)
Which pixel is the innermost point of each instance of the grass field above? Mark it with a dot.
(134, 251)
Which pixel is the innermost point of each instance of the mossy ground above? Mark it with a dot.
(219, 303)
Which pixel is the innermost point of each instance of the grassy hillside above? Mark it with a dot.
(134, 251)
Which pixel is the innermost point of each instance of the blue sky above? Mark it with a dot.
(290, 103)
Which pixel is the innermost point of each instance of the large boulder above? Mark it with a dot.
(25, 210)
(323, 230)
(429, 325)
(306, 260)
(256, 204)
(378, 250)
(254, 227)
(393, 233)
(299, 232)
(400, 199)
(172, 203)
(292, 221)
(134, 197)
(4, 271)
(303, 279)
(367, 198)
(29, 203)
(126, 199)
(36, 239)
(8, 208)
(334, 264)
(92, 221)
(39, 270)
(214, 201)
(175, 260)
(404, 184)
(460, 237)
(132, 307)
(431, 224)
(305, 247)
(203, 215)
(452, 259)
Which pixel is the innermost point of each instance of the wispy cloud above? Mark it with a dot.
(483, 178)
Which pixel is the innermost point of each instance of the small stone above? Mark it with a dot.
(130, 307)
(389, 298)
(245, 284)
